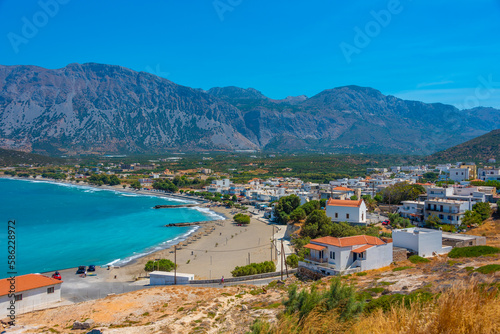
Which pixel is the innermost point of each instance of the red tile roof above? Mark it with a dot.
(362, 249)
(349, 241)
(27, 282)
(315, 247)
(344, 202)
(342, 189)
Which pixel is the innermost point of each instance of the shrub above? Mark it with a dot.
(418, 259)
(241, 218)
(254, 269)
(387, 301)
(473, 251)
(401, 268)
(292, 261)
(340, 298)
(163, 265)
(489, 268)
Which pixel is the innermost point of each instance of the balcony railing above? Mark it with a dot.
(316, 259)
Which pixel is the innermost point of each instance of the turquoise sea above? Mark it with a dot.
(61, 226)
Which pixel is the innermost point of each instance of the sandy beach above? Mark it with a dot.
(212, 251)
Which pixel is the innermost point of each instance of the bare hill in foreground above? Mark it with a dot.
(468, 302)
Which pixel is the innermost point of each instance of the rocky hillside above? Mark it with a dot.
(357, 119)
(94, 108)
(478, 149)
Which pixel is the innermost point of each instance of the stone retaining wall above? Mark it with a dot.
(243, 278)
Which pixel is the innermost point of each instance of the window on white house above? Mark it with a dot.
(50, 290)
(347, 215)
(360, 255)
(18, 297)
(332, 255)
(336, 215)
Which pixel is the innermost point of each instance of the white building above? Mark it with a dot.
(439, 192)
(488, 173)
(459, 174)
(413, 210)
(32, 292)
(448, 211)
(346, 211)
(224, 183)
(168, 278)
(332, 256)
(422, 241)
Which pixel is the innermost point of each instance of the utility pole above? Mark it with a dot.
(283, 251)
(281, 257)
(271, 251)
(175, 264)
(249, 258)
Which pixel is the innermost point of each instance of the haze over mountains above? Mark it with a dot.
(96, 108)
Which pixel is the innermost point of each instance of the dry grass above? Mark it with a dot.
(491, 230)
(461, 310)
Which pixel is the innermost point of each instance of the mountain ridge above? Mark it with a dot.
(97, 108)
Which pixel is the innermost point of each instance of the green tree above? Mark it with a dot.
(310, 206)
(483, 209)
(472, 218)
(241, 218)
(317, 224)
(292, 261)
(298, 215)
(284, 208)
(162, 265)
(354, 198)
(114, 180)
(371, 203)
(397, 221)
(402, 191)
(135, 185)
(343, 229)
(433, 221)
(165, 185)
(430, 177)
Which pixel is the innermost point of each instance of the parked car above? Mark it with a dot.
(91, 268)
(386, 222)
(81, 270)
(56, 275)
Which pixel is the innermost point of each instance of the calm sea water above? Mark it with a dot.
(62, 226)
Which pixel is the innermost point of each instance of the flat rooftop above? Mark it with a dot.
(456, 236)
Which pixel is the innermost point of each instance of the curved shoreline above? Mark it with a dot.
(164, 245)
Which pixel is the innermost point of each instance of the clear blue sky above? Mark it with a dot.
(434, 51)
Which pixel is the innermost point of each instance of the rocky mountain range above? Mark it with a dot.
(95, 108)
(481, 149)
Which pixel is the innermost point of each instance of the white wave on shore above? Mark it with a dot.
(208, 212)
(163, 245)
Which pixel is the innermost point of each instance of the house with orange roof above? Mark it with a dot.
(351, 211)
(27, 293)
(332, 256)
